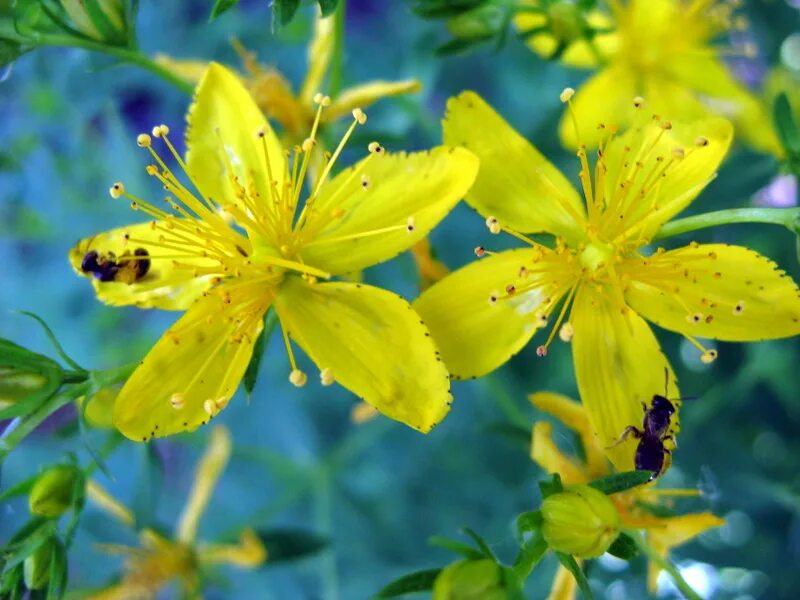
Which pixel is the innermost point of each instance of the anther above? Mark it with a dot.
(708, 356)
(480, 251)
(511, 289)
(566, 332)
(160, 131)
(143, 140)
(177, 401)
(116, 190)
(308, 144)
(410, 225)
(210, 407)
(493, 224)
(326, 376)
(638, 101)
(541, 351)
(360, 116)
(151, 170)
(566, 94)
(739, 308)
(318, 98)
(678, 153)
(298, 378)
(375, 148)
(701, 141)
(666, 125)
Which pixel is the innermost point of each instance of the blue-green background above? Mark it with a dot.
(377, 491)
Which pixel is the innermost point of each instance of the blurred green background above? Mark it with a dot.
(377, 491)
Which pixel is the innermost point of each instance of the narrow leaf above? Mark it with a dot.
(419, 581)
(290, 544)
(529, 555)
(624, 547)
(221, 6)
(571, 565)
(455, 546)
(484, 547)
(51, 336)
(619, 482)
(551, 486)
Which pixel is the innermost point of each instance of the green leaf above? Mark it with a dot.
(16, 553)
(221, 6)
(571, 565)
(251, 374)
(23, 487)
(419, 581)
(624, 547)
(9, 52)
(530, 553)
(444, 9)
(481, 543)
(284, 10)
(455, 546)
(327, 7)
(552, 486)
(785, 124)
(57, 582)
(461, 45)
(290, 544)
(619, 482)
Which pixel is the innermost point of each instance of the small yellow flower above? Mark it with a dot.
(274, 95)
(160, 560)
(662, 533)
(600, 269)
(663, 50)
(237, 239)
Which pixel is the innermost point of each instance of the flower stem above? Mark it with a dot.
(788, 217)
(337, 65)
(664, 564)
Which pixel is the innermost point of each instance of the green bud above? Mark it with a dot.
(471, 580)
(51, 495)
(478, 23)
(567, 23)
(36, 568)
(581, 521)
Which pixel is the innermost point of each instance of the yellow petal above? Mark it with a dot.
(565, 586)
(374, 345)
(248, 553)
(573, 415)
(320, 50)
(606, 97)
(674, 531)
(618, 366)
(715, 291)
(164, 286)
(206, 475)
(361, 96)
(193, 370)
(474, 335)
(347, 229)
(222, 140)
(515, 184)
(549, 457)
(191, 71)
(683, 178)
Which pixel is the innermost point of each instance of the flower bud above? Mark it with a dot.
(51, 495)
(469, 579)
(479, 23)
(581, 521)
(36, 568)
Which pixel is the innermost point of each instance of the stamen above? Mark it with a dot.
(375, 148)
(143, 140)
(480, 251)
(566, 332)
(177, 401)
(494, 225)
(298, 378)
(116, 190)
(708, 356)
(326, 376)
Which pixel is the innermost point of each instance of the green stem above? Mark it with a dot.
(664, 564)
(788, 217)
(337, 65)
(128, 55)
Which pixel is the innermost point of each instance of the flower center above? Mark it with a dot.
(596, 256)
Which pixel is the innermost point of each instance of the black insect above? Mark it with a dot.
(107, 267)
(650, 453)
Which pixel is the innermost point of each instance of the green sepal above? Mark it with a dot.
(26, 379)
(284, 545)
(624, 547)
(418, 581)
(551, 486)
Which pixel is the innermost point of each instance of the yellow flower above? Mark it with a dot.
(160, 560)
(663, 50)
(600, 268)
(243, 242)
(661, 533)
(274, 94)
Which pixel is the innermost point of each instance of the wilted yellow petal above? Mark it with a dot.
(429, 269)
(476, 335)
(573, 415)
(618, 366)
(674, 531)
(361, 96)
(409, 193)
(549, 457)
(374, 345)
(516, 183)
(164, 286)
(223, 142)
(206, 475)
(194, 369)
(715, 291)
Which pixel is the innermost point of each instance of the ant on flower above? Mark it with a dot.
(650, 452)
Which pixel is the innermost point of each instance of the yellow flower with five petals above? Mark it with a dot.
(662, 533)
(274, 95)
(600, 268)
(665, 51)
(243, 242)
(162, 561)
